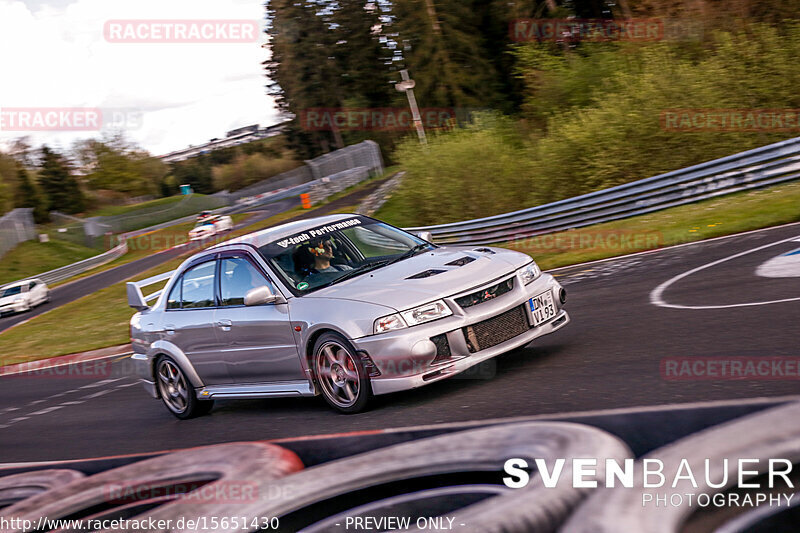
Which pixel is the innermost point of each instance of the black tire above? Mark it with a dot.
(176, 392)
(534, 508)
(18, 487)
(763, 435)
(340, 374)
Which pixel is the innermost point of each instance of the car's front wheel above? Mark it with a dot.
(342, 378)
(177, 393)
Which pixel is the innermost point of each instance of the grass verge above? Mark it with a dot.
(33, 257)
(111, 210)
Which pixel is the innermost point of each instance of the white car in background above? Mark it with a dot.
(23, 296)
(209, 226)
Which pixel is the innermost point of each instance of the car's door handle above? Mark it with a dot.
(224, 324)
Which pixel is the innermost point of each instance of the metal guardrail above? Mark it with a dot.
(80, 267)
(760, 167)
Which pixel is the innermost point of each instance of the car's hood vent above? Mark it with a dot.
(426, 274)
(485, 251)
(461, 261)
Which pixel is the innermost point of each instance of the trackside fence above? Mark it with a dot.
(760, 167)
(16, 226)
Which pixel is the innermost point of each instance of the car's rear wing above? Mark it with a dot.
(134, 288)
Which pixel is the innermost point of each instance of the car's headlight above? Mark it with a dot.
(389, 323)
(426, 313)
(529, 272)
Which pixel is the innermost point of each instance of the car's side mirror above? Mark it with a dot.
(260, 296)
(425, 236)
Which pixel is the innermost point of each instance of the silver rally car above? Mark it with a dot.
(344, 306)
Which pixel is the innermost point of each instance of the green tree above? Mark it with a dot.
(444, 50)
(302, 72)
(56, 180)
(195, 172)
(8, 170)
(28, 196)
(361, 53)
(116, 165)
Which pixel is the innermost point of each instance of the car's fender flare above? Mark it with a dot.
(162, 347)
(310, 338)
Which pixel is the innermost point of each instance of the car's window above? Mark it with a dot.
(174, 298)
(11, 291)
(322, 255)
(198, 286)
(237, 277)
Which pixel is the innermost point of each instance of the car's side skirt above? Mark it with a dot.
(281, 389)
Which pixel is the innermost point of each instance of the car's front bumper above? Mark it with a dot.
(9, 309)
(407, 358)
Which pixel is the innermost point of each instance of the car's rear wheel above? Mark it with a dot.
(176, 392)
(342, 378)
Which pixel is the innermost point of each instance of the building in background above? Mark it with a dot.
(235, 137)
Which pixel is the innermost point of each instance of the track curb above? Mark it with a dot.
(62, 360)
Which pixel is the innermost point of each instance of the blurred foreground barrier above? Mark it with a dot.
(768, 165)
(448, 477)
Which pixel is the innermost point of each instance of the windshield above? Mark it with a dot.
(327, 254)
(11, 291)
(204, 222)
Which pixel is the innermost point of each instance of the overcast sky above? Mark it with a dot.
(53, 54)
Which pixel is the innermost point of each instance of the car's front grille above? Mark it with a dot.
(484, 295)
(496, 330)
(442, 348)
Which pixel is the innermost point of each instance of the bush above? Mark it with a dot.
(464, 174)
(249, 169)
(593, 129)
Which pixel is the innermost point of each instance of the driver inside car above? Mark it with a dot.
(314, 258)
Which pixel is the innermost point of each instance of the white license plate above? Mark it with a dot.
(541, 308)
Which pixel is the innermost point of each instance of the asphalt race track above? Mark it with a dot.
(609, 356)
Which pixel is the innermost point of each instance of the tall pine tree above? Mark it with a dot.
(62, 189)
(28, 196)
(443, 48)
(302, 72)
